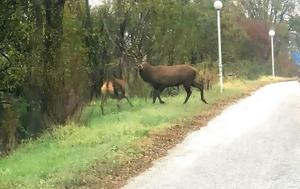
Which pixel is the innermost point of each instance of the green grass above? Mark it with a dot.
(56, 158)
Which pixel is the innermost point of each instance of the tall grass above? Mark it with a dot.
(56, 158)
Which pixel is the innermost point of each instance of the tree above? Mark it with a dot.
(294, 29)
(275, 11)
(15, 48)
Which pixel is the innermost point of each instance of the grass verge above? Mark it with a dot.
(111, 148)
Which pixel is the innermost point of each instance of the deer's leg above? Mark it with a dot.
(188, 92)
(160, 100)
(123, 95)
(155, 95)
(208, 84)
(151, 93)
(128, 101)
(103, 99)
(118, 104)
(201, 88)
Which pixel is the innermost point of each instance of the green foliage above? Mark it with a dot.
(268, 10)
(55, 54)
(14, 44)
(57, 158)
(251, 70)
(294, 28)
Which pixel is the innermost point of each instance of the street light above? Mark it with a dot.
(272, 34)
(218, 6)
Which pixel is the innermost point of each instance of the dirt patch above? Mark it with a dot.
(116, 175)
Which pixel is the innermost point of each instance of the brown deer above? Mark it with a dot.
(115, 89)
(161, 77)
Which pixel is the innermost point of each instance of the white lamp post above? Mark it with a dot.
(218, 6)
(272, 34)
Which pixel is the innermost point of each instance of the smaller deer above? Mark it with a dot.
(115, 89)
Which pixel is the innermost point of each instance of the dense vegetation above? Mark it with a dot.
(54, 54)
(90, 157)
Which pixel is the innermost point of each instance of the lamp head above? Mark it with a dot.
(218, 5)
(272, 32)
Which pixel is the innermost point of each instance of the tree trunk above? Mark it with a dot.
(54, 10)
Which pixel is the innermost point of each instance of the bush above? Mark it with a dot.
(247, 69)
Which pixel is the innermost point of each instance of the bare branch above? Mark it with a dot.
(7, 58)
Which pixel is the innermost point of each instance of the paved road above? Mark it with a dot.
(254, 144)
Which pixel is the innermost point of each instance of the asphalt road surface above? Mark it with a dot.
(254, 144)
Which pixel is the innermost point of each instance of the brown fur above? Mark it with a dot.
(107, 88)
(161, 77)
(116, 89)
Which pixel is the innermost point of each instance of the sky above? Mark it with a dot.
(95, 2)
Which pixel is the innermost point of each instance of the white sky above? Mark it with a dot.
(95, 2)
